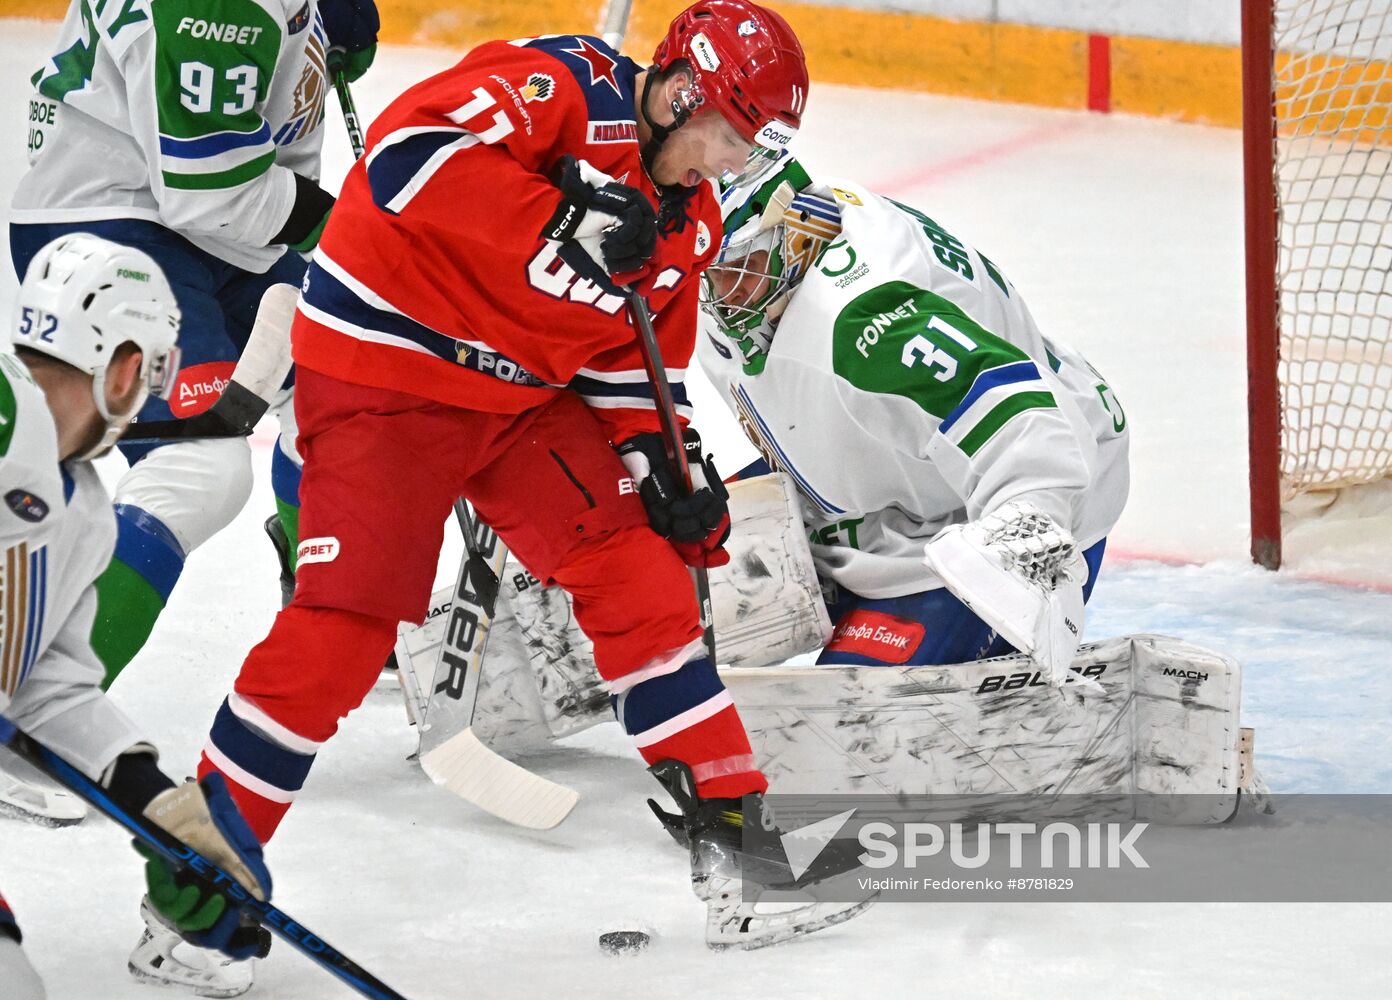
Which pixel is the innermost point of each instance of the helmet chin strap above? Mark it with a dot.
(672, 214)
(115, 423)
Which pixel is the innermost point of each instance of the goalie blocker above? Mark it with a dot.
(1158, 716)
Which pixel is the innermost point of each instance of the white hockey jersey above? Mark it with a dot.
(190, 114)
(57, 533)
(908, 388)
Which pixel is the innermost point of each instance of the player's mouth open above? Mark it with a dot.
(693, 177)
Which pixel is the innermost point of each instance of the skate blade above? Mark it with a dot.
(795, 927)
(145, 978)
(40, 819)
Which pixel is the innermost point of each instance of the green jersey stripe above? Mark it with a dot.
(1012, 406)
(230, 178)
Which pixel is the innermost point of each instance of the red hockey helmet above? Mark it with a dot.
(747, 64)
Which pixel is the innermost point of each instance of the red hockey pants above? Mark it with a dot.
(382, 470)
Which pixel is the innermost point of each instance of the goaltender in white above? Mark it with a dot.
(955, 473)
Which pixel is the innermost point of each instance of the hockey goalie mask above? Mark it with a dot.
(775, 229)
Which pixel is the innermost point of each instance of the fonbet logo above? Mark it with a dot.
(316, 550)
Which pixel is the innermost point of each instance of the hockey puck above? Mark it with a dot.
(623, 942)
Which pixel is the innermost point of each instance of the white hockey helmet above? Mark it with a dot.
(83, 297)
(775, 226)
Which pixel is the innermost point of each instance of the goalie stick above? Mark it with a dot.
(176, 852)
(462, 763)
(259, 373)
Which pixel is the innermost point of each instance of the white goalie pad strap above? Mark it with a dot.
(1020, 573)
(1166, 723)
(539, 680)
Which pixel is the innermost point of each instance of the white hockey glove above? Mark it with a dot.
(1020, 572)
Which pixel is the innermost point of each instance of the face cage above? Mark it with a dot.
(742, 316)
(759, 161)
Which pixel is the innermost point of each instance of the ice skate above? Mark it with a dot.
(163, 958)
(720, 866)
(38, 803)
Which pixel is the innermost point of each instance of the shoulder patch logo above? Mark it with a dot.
(703, 239)
(601, 66)
(539, 87)
(26, 505)
(316, 550)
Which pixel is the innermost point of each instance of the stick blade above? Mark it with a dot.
(466, 767)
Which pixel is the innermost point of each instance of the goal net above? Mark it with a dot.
(1328, 151)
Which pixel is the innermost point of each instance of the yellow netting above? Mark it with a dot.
(1334, 182)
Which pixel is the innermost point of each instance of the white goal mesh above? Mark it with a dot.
(1334, 184)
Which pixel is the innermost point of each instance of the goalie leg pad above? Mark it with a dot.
(1166, 724)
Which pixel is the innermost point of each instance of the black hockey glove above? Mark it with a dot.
(612, 226)
(697, 523)
(352, 27)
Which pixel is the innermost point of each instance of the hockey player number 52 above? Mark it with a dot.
(921, 350)
(197, 80)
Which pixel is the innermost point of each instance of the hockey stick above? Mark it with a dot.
(350, 113)
(671, 430)
(614, 23)
(176, 852)
(259, 373)
(462, 763)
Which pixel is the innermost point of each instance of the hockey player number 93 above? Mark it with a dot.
(920, 349)
(197, 80)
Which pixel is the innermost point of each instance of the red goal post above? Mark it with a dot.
(1317, 151)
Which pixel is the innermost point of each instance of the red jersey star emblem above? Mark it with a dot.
(601, 65)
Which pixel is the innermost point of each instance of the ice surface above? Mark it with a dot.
(1125, 237)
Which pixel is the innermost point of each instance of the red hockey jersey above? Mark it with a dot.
(432, 277)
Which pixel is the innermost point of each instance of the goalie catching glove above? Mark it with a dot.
(696, 521)
(604, 228)
(1021, 573)
(203, 816)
